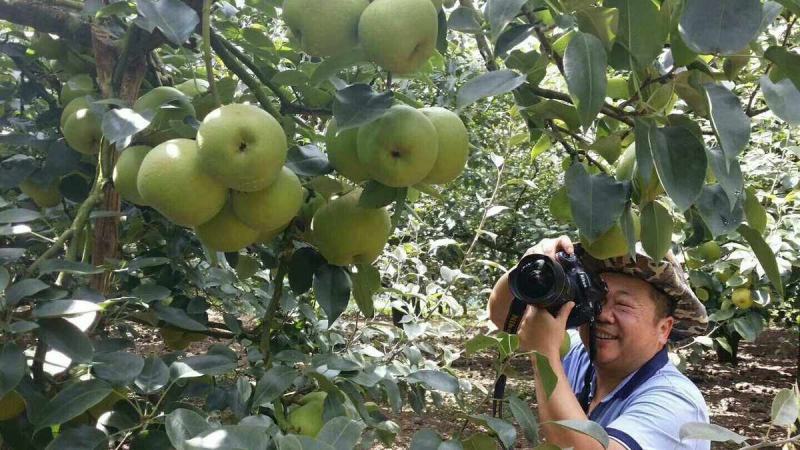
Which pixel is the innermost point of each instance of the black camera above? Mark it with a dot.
(544, 282)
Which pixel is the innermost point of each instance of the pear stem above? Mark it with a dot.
(212, 86)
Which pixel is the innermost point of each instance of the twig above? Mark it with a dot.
(212, 85)
(236, 67)
(480, 38)
(776, 444)
(272, 309)
(749, 110)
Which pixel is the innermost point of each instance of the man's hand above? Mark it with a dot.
(550, 247)
(540, 331)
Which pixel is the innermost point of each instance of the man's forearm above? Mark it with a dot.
(562, 405)
(500, 301)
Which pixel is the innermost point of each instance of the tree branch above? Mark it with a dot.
(46, 18)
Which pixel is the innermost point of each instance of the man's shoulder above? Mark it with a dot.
(668, 381)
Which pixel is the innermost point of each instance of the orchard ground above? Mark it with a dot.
(739, 397)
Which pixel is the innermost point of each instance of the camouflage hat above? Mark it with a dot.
(668, 277)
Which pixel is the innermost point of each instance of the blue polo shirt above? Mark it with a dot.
(647, 409)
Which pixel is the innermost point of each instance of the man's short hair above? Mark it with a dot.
(665, 306)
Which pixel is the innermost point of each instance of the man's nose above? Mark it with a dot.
(606, 314)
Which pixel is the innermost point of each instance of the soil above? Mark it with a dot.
(739, 398)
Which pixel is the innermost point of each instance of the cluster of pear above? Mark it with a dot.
(404, 147)
(229, 184)
(399, 35)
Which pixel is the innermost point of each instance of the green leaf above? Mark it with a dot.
(118, 368)
(12, 367)
(680, 160)
(514, 35)
(728, 173)
(184, 424)
(481, 441)
(332, 65)
(22, 289)
(487, 85)
(479, 343)
(554, 109)
(765, 256)
(145, 261)
(308, 161)
(500, 13)
(211, 364)
(18, 215)
(358, 105)
(119, 125)
(176, 20)
(720, 26)
(656, 230)
(5, 278)
(425, 439)
(463, 20)
(749, 326)
(151, 292)
(65, 337)
(504, 430)
(601, 22)
(366, 282)
(785, 408)
(596, 201)
(731, 124)
(716, 211)
(290, 78)
(585, 71)
(436, 380)
(273, 384)
(754, 212)
(62, 308)
(783, 99)
(548, 377)
(525, 417)
(80, 438)
(709, 432)
(71, 402)
(304, 262)
(332, 288)
(342, 433)
(377, 195)
(642, 29)
(153, 377)
(73, 267)
(592, 429)
(178, 318)
(788, 62)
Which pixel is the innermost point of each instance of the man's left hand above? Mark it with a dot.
(540, 331)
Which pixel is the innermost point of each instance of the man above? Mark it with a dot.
(636, 393)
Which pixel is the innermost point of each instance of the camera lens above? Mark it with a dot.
(537, 279)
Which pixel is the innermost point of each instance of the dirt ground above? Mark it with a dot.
(739, 398)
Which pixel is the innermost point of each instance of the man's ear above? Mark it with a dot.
(664, 328)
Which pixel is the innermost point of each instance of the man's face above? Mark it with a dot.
(628, 333)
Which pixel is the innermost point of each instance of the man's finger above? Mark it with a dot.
(565, 243)
(563, 313)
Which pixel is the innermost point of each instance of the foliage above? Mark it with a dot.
(553, 93)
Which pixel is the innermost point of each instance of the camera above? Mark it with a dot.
(549, 283)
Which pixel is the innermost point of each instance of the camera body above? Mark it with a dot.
(550, 283)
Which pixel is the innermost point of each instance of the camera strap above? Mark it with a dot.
(511, 325)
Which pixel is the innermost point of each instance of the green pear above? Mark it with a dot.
(225, 232)
(126, 171)
(193, 87)
(164, 104)
(400, 148)
(242, 146)
(453, 145)
(399, 35)
(437, 4)
(44, 195)
(266, 236)
(82, 131)
(324, 27)
(345, 233)
(75, 87)
(273, 206)
(78, 103)
(343, 152)
(171, 181)
(307, 419)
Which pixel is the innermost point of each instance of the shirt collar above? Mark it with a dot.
(634, 380)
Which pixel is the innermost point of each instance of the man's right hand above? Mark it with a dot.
(501, 296)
